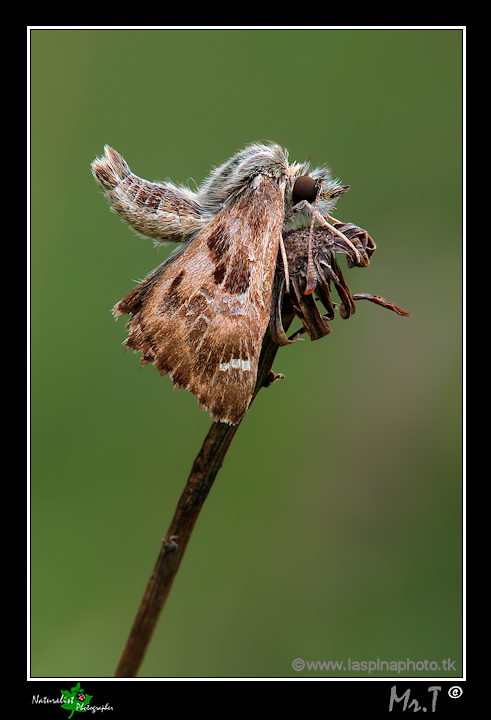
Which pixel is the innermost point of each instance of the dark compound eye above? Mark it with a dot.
(305, 188)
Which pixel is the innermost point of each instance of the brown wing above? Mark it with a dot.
(201, 317)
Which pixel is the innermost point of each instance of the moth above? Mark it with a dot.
(201, 316)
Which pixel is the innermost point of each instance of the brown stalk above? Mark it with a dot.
(205, 468)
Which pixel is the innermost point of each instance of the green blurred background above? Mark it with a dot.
(333, 530)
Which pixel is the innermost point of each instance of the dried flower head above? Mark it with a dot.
(324, 243)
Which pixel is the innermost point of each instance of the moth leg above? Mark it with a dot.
(322, 220)
(304, 212)
(285, 265)
(307, 210)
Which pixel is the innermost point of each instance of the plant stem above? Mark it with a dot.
(205, 468)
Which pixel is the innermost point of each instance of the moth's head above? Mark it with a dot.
(301, 184)
(305, 188)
